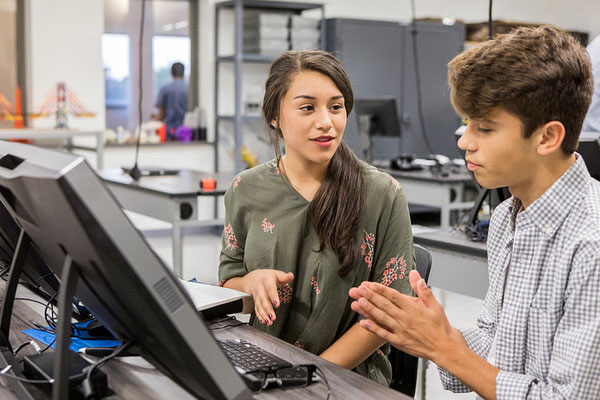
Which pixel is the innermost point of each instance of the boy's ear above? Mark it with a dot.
(551, 137)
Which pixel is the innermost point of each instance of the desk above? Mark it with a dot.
(444, 192)
(169, 198)
(459, 264)
(134, 378)
(51, 133)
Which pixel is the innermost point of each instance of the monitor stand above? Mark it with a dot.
(7, 356)
(68, 279)
(68, 283)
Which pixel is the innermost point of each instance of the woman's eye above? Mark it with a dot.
(337, 107)
(307, 108)
(484, 130)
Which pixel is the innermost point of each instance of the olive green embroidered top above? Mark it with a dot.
(267, 225)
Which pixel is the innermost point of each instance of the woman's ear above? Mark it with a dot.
(274, 124)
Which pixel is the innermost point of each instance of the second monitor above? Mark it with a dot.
(376, 117)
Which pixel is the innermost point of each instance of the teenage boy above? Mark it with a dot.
(525, 95)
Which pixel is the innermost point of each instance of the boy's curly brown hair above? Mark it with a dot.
(539, 74)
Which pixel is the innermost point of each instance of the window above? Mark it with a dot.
(167, 39)
(167, 50)
(115, 60)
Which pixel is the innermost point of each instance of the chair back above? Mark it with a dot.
(423, 261)
(405, 366)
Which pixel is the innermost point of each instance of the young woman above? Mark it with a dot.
(304, 228)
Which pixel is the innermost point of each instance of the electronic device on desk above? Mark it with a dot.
(475, 229)
(153, 171)
(82, 233)
(262, 370)
(406, 162)
(377, 116)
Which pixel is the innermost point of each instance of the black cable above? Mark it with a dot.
(47, 347)
(135, 171)
(37, 282)
(127, 344)
(490, 27)
(21, 347)
(418, 78)
(321, 375)
(33, 300)
(87, 389)
(34, 381)
(51, 320)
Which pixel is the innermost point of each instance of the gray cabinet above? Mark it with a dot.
(379, 59)
(371, 53)
(437, 44)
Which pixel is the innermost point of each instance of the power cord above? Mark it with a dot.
(321, 375)
(418, 77)
(87, 389)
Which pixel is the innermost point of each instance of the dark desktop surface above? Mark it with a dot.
(135, 378)
(184, 183)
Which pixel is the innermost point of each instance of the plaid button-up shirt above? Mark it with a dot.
(543, 301)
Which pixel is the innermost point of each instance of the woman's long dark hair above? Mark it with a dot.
(339, 203)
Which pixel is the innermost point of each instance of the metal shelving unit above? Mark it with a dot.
(239, 58)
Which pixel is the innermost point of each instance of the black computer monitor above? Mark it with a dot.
(77, 225)
(376, 117)
(589, 148)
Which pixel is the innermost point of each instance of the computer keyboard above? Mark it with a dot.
(247, 357)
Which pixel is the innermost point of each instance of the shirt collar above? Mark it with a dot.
(552, 207)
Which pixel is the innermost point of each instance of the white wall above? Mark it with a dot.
(64, 45)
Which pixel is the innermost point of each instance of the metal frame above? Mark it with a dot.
(239, 58)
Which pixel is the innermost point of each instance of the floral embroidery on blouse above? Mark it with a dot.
(298, 344)
(232, 242)
(396, 184)
(285, 293)
(267, 226)
(315, 285)
(394, 269)
(366, 248)
(236, 182)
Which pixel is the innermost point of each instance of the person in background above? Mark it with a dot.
(525, 95)
(592, 119)
(172, 102)
(303, 228)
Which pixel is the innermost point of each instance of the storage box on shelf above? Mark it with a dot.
(249, 34)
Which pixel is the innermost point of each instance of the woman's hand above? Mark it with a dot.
(262, 284)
